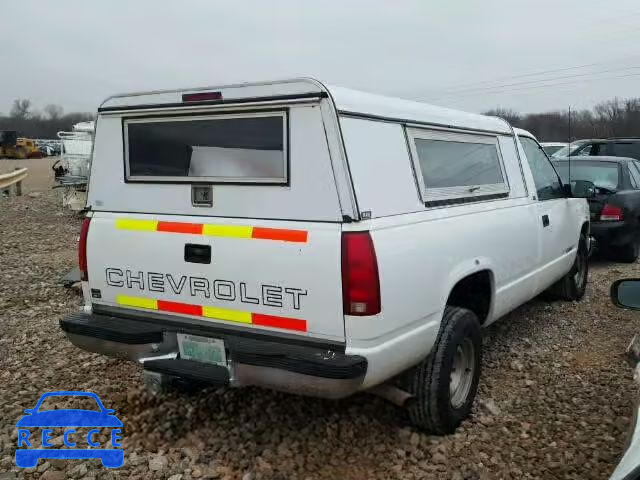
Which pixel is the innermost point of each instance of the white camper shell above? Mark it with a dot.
(317, 240)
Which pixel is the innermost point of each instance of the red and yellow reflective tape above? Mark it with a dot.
(231, 231)
(216, 313)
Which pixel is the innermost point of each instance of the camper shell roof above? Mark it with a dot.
(345, 101)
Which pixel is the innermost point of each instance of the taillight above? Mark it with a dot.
(611, 213)
(360, 281)
(82, 249)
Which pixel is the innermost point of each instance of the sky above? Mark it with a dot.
(525, 55)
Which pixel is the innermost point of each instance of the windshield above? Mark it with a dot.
(602, 174)
(564, 151)
(551, 149)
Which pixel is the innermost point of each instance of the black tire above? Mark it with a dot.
(572, 286)
(433, 407)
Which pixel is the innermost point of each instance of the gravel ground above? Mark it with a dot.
(555, 399)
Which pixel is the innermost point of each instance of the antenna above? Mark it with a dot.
(569, 146)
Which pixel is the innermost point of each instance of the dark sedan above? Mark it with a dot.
(612, 147)
(615, 210)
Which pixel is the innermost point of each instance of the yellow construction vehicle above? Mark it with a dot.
(30, 146)
(12, 146)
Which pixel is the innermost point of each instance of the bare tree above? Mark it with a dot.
(53, 112)
(514, 118)
(20, 108)
(611, 118)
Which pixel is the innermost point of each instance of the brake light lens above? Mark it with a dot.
(360, 280)
(82, 249)
(201, 96)
(611, 213)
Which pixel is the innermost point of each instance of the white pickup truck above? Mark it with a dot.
(318, 240)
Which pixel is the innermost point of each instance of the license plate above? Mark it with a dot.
(202, 349)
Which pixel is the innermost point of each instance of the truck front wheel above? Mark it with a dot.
(444, 385)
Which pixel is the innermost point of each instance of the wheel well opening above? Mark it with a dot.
(584, 229)
(474, 293)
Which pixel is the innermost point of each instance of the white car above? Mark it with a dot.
(318, 240)
(581, 147)
(552, 147)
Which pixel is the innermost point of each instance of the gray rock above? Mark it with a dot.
(78, 471)
(53, 475)
(158, 463)
(490, 406)
(135, 459)
(517, 365)
(58, 463)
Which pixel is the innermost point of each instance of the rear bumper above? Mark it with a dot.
(300, 367)
(613, 233)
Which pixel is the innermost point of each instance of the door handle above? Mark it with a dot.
(545, 220)
(194, 253)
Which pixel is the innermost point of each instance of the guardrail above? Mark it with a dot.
(14, 178)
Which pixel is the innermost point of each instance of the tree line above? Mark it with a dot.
(613, 118)
(30, 123)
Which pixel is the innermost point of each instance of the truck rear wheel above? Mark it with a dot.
(572, 286)
(444, 385)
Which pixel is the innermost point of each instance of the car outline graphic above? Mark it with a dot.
(69, 418)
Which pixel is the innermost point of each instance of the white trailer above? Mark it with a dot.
(72, 170)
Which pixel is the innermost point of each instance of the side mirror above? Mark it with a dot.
(625, 293)
(582, 189)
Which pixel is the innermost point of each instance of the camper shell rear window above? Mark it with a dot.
(216, 148)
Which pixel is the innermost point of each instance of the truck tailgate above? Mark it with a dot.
(258, 274)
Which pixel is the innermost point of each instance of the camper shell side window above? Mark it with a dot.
(454, 167)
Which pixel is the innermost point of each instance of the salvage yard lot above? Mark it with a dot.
(555, 398)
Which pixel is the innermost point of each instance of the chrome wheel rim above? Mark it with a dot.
(580, 276)
(462, 373)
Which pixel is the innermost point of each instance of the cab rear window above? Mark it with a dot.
(239, 148)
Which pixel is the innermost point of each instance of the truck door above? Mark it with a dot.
(555, 221)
